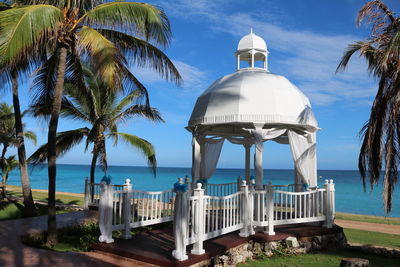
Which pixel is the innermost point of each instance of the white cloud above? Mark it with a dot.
(310, 58)
(193, 78)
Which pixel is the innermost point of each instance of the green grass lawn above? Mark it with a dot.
(13, 210)
(373, 238)
(367, 218)
(325, 259)
(61, 198)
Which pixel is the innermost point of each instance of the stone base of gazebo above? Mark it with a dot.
(155, 247)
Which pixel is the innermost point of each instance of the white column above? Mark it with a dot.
(252, 58)
(238, 62)
(180, 225)
(247, 165)
(127, 204)
(199, 221)
(330, 203)
(258, 160)
(270, 209)
(106, 213)
(244, 232)
(196, 160)
(298, 181)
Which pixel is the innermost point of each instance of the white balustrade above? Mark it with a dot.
(200, 217)
(220, 190)
(92, 199)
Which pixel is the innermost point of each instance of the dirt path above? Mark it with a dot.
(373, 227)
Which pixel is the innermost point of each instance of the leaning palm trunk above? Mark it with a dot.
(52, 152)
(4, 185)
(92, 170)
(30, 209)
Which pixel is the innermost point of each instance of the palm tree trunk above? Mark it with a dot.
(3, 153)
(52, 142)
(92, 170)
(3, 189)
(29, 209)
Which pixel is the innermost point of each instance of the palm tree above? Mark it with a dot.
(72, 30)
(103, 110)
(10, 73)
(381, 133)
(6, 166)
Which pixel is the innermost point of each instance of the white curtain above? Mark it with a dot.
(260, 135)
(303, 147)
(210, 152)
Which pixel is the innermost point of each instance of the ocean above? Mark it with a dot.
(350, 195)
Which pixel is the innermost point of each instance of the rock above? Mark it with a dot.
(271, 246)
(354, 262)
(292, 242)
(317, 239)
(307, 245)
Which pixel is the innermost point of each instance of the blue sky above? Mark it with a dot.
(306, 40)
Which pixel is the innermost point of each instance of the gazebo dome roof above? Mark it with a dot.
(253, 95)
(252, 41)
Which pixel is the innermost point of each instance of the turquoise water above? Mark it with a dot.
(350, 196)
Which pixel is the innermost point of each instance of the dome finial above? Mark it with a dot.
(251, 30)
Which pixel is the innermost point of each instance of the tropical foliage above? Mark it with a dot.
(6, 166)
(103, 110)
(8, 136)
(380, 148)
(59, 35)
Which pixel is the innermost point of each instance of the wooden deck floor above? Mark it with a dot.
(156, 246)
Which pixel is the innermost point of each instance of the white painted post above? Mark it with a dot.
(180, 225)
(127, 209)
(106, 213)
(332, 194)
(251, 207)
(199, 221)
(270, 209)
(328, 203)
(87, 194)
(244, 232)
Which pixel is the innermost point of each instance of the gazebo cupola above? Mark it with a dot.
(251, 49)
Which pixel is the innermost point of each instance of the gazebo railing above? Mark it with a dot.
(220, 190)
(212, 216)
(199, 217)
(127, 209)
(92, 193)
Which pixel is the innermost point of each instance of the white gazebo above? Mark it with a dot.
(249, 107)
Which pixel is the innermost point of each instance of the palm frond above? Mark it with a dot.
(147, 20)
(103, 54)
(145, 147)
(65, 141)
(139, 110)
(43, 87)
(27, 32)
(31, 136)
(143, 54)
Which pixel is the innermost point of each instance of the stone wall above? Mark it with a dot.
(290, 245)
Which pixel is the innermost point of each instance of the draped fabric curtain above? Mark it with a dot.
(260, 135)
(210, 152)
(303, 147)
